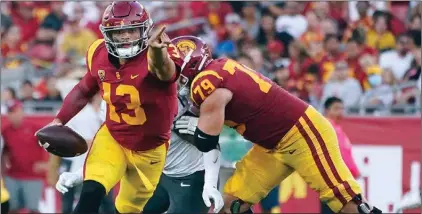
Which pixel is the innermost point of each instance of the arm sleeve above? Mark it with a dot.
(78, 97)
(212, 167)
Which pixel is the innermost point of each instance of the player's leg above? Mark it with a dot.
(160, 201)
(186, 193)
(104, 166)
(143, 172)
(67, 200)
(107, 204)
(5, 207)
(255, 176)
(318, 160)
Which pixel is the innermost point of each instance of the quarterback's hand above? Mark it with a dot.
(68, 180)
(186, 125)
(55, 122)
(211, 193)
(159, 39)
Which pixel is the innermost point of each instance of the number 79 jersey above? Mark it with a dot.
(260, 110)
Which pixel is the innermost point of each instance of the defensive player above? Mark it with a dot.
(288, 134)
(136, 76)
(189, 180)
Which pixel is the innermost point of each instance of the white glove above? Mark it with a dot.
(68, 180)
(186, 125)
(210, 192)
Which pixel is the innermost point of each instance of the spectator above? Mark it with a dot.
(23, 18)
(355, 50)
(27, 160)
(275, 50)
(329, 26)
(76, 39)
(11, 45)
(380, 37)
(55, 19)
(415, 23)
(7, 95)
(233, 27)
(251, 19)
(6, 23)
(27, 91)
(414, 73)
(313, 32)
(93, 24)
(334, 112)
(342, 86)
(364, 21)
(52, 24)
(266, 30)
(214, 11)
(281, 77)
(382, 94)
(408, 95)
(333, 54)
(321, 9)
(398, 60)
(259, 62)
(246, 60)
(299, 60)
(53, 94)
(292, 22)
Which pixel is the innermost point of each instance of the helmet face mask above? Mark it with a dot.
(128, 18)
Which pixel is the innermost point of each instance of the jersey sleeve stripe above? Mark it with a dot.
(202, 74)
(91, 51)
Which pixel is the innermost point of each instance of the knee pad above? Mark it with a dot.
(235, 207)
(364, 207)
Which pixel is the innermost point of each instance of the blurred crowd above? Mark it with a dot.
(367, 53)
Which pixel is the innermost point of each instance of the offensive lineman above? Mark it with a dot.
(135, 73)
(288, 134)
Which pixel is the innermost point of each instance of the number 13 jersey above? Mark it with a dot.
(140, 107)
(260, 110)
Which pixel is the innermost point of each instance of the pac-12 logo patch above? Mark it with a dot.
(101, 74)
(185, 46)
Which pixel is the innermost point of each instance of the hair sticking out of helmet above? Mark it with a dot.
(197, 56)
(126, 26)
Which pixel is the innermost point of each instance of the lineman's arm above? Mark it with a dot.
(211, 119)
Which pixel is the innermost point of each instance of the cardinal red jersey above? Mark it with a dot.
(259, 110)
(140, 107)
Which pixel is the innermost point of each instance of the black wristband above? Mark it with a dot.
(205, 142)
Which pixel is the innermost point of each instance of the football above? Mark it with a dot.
(62, 141)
